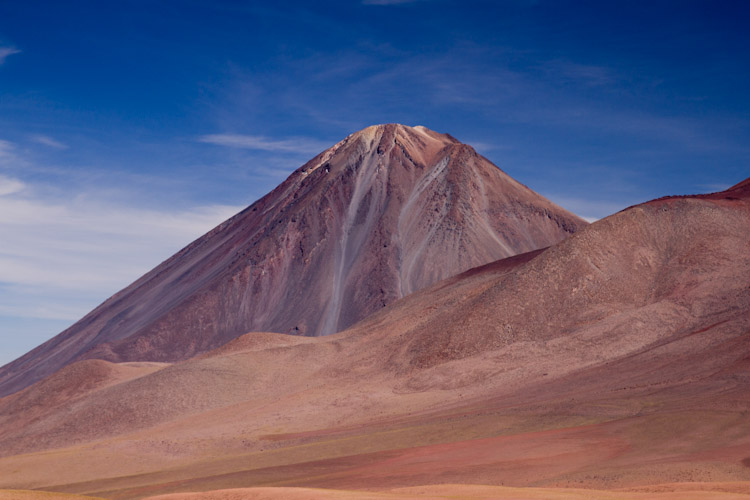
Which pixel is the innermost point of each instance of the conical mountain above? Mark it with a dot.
(387, 211)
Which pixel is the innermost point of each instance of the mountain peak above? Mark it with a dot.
(412, 138)
(419, 145)
(403, 132)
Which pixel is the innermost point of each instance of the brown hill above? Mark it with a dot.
(617, 358)
(387, 211)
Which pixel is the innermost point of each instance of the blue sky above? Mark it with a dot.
(127, 129)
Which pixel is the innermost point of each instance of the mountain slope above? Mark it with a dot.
(387, 211)
(616, 358)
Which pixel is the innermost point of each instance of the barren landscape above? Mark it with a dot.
(374, 250)
(611, 364)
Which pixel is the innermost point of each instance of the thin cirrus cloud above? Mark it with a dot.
(61, 255)
(7, 51)
(48, 141)
(588, 208)
(6, 151)
(9, 185)
(88, 244)
(298, 145)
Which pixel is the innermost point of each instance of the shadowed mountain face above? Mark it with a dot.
(616, 358)
(387, 211)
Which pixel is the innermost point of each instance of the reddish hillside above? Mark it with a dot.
(387, 211)
(617, 358)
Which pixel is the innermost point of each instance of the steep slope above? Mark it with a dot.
(387, 211)
(616, 358)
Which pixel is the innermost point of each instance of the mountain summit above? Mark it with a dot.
(387, 211)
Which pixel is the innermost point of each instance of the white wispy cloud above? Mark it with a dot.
(714, 187)
(61, 257)
(485, 147)
(88, 244)
(9, 185)
(258, 142)
(7, 51)
(48, 141)
(7, 151)
(589, 209)
(559, 94)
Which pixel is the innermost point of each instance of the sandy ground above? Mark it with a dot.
(692, 491)
(40, 495)
(465, 492)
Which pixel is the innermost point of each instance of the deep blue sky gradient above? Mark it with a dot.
(652, 93)
(597, 105)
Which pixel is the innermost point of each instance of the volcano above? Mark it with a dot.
(387, 211)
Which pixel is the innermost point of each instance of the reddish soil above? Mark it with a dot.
(39, 495)
(446, 492)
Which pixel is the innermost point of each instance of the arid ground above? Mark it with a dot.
(614, 364)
